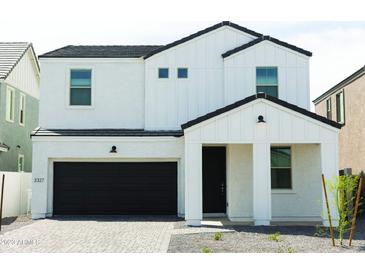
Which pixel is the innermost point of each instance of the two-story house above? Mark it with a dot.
(214, 124)
(344, 103)
(19, 100)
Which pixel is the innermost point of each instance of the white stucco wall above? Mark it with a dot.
(117, 94)
(81, 149)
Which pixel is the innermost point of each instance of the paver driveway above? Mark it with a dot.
(91, 234)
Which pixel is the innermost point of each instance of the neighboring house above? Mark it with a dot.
(344, 103)
(19, 101)
(214, 124)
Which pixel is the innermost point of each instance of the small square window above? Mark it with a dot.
(163, 73)
(182, 73)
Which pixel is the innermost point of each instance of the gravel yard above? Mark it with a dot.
(250, 239)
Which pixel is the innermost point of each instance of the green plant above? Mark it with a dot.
(274, 237)
(206, 250)
(343, 190)
(217, 236)
(291, 250)
(321, 231)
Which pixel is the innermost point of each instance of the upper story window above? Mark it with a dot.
(20, 162)
(10, 104)
(163, 73)
(267, 80)
(80, 87)
(182, 73)
(281, 168)
(22, 110)
(329, 108)
(340, 107)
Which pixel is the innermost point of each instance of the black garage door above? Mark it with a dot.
(115, 188)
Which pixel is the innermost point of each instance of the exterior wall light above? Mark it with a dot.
(113, 150)
(260, 119)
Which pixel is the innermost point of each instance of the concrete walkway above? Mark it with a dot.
(91, 234)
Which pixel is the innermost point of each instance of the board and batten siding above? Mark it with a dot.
(171, 102)
(117, 94)
(293, 73)
(25, 75)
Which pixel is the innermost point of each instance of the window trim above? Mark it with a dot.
(21, 156)
(22, 108)
(337, 108)
(329, 112)
(187, 73)
(158, 73)
(10, 102)
(68, 86)
(277, 72)
(284, 190)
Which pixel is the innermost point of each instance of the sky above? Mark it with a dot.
(336, 41)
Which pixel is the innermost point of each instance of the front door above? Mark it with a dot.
(214, 180)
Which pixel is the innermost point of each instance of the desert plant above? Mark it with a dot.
(217, 236)
(291, 250)
(274, 237)
(343, 190)
(206, 250)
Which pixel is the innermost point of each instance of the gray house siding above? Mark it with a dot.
(14, 135)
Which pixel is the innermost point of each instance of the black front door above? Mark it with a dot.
(214, 179)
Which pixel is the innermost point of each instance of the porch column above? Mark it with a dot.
(261, 184)
(329, 165)
(193, 184)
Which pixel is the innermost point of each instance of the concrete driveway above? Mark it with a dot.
(91, 234)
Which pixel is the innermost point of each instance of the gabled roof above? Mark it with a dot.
(266, 38)
(100, 52)
(253, 98)
(199, 33)
(10, 54)
(111, 132)
(357, 74)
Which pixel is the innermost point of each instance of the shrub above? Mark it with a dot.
(206, 250)
(217, 236)
(274, 237)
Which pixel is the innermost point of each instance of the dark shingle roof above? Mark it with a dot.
(10, 54)
(199, 33)
(100, 52)
(357, 74)
(106, 132)
(266, 38)
(253, 98)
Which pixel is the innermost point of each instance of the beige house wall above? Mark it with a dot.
(352, 134)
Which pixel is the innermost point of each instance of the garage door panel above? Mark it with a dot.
(115, 188)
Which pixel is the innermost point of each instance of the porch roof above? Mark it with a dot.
(253, 98)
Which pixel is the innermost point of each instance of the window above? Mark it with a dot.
(20, 162)
(340, 107)
(80, 87)
(22, 109)
(163, 73)
(10, 104)
(329, 108)
(281, 168)
(267, 80)
(182, 73)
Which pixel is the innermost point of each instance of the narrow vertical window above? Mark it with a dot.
(281, 168)
(22, 110)
(340, 107)
(10, 104)
(329, 108)
(267, 80)
(163, 73)
(182, 73)
(80, 87)
(20, 163)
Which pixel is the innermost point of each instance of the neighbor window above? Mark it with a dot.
(267, 80)
(22, 109)
(329, 108)
(340, 107)
(10, 104)
(182, 73)
(163, 73)
(80, 87)
(281, 168)
(20, 162)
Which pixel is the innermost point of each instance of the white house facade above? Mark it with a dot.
(214, 124)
